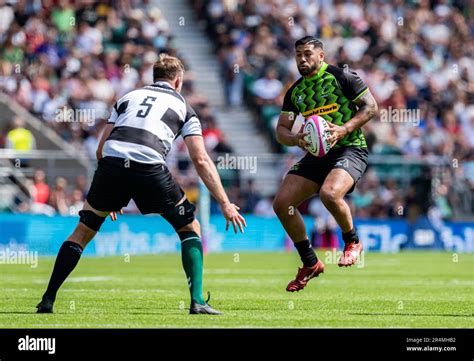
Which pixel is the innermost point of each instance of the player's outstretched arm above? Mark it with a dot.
(207, 171)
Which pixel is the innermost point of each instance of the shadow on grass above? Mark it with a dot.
(18, 313)
(125, 312)
(411, 314)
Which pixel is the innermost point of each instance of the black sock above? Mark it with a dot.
(351, 236)
(66, 260)
(306, 252)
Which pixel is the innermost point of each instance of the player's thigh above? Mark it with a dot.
(293, 191)
(110, 188)
(156, 192)
(88, 207)
(346, 168)
(337, 183)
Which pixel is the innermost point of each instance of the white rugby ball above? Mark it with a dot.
(318, 136)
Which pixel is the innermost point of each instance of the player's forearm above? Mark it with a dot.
(208, 173)
(363, 115)
(367, 109)
(284, 136)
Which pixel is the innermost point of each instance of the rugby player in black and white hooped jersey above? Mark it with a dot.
(131, 165)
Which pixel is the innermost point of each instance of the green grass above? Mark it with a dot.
(391, 290)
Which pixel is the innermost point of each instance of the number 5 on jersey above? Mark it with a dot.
(148, 103)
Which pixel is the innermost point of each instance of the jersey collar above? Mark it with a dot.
(162, 84)
(320, 72)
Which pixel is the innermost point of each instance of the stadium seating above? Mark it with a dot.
(413, 56)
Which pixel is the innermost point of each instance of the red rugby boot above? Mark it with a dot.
(350, 254)
(304, 275)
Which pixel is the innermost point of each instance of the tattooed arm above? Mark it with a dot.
(367, 109)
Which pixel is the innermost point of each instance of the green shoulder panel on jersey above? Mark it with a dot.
(330, 94)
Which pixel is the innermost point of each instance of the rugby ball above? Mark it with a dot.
(318, 136)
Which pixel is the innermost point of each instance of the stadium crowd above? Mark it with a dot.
(415, 56)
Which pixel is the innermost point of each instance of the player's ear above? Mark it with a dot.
(179, 82)
(321, 55)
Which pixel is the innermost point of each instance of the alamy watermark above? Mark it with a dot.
(237, 162)
(18, 255)
(68, 115)
(396, 115)
(332, 256)
(28, 343)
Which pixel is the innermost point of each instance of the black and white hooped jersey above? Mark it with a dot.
(147, 120)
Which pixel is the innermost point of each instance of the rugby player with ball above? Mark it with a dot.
(336, 103)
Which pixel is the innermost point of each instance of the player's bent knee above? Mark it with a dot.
(181, 215)
(328, 195)
(276, 207)
(91, 220)
(280, 207)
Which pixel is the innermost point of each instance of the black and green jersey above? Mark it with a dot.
(329, 94)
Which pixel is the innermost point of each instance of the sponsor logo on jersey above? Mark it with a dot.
(296, 166)
(326, 109)
(325, 92)
(300, 98)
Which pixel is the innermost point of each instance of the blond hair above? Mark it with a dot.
(167, 67)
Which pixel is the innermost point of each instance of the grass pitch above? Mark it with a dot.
(419, 289)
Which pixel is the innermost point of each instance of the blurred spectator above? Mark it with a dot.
(82, 184)
(211, 134)
(268, 88)
(77, 202)
(213, 138)
(41, 189)
(63, 16)
(6, 16)
(19, 138)
(233, 60)
(58, 198)
(30, 206)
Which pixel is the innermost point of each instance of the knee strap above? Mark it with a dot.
(91, 220)
(181, 215)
